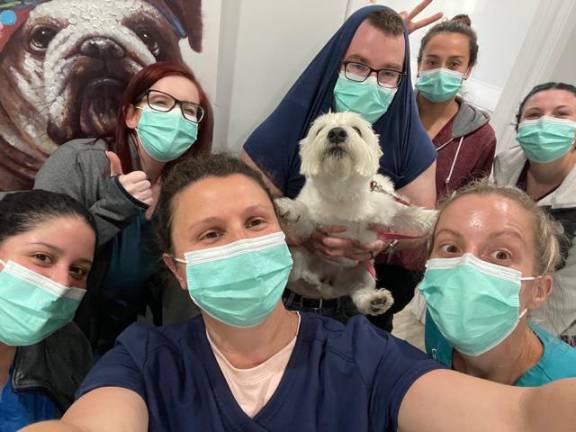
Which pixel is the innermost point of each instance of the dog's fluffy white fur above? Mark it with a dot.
(340, 159)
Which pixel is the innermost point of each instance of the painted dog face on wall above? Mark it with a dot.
(62, 73)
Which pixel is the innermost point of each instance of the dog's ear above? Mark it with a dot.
(190, 13)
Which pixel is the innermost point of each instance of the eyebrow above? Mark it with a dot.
(512, 233)
(364, 60)
(448, 231)
(451, 57)
(49, 246)
(205, 221)
(257, 207)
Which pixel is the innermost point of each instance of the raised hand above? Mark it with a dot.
(135, 183)
(408, 17)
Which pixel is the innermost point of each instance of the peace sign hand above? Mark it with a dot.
(412, 26)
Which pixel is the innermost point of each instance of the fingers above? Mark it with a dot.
(334, 247)
(375, 247)
(412, 26)
(138, 186)
(419, 8)
(332, 229)
(155, 194)
(115, 163)
(426, 21)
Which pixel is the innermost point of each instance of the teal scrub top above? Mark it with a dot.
(558, 360)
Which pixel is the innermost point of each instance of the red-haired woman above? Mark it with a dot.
(165, 116)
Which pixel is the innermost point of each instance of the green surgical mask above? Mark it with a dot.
(366, 98)
(439, 85)
(32, 306)
(547, 138)
(165, 136)
(474, 303)
(240, 283)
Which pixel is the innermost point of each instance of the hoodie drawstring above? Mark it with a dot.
(454, 161)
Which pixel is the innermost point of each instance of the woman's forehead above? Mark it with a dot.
(218, 196)
(483, 215)
(551, 97)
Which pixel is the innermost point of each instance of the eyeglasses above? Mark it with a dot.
(359, 72)
(163, 102)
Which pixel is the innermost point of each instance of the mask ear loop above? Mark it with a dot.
(528, 279)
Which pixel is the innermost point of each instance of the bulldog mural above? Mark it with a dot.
(65, 63)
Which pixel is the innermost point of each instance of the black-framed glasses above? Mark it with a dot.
(359, 72)
(164, 102)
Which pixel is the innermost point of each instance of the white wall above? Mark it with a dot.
(265, 45)
(205, 64)
(565, 69)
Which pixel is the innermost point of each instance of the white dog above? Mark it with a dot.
(340, 160)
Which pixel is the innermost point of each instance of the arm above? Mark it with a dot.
(422, 190)
(98, 411)
(267, 180)
(447, 401)
(85, 176)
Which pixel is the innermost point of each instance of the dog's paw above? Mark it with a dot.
(295, 217)
(312, 279)
(290, 211)
(376, 303)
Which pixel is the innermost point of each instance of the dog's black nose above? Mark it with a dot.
(102, 48)
(337, 135)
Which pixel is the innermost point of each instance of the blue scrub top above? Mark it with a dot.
(557, 362)
(339, 378)
(19, 409)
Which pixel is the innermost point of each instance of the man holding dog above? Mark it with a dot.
(365, 68)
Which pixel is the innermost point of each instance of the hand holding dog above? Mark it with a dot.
(135, 183)
(323, 242)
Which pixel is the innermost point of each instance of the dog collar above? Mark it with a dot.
(389, 235)
(376, 187)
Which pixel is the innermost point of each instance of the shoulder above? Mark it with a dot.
(70, 336)
(361, 344)
(508, 164)
(82, 146)
(57, 365)
(485, 136)
(559, 359)
(89, 153)
(143, 341)
(472, 121)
